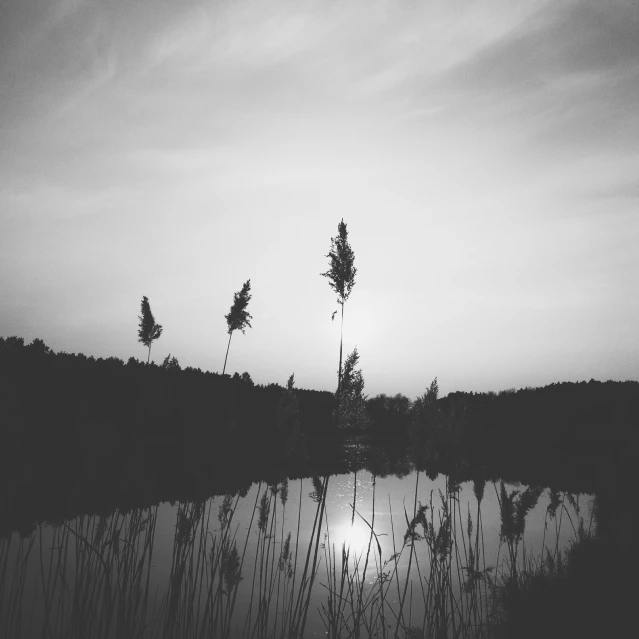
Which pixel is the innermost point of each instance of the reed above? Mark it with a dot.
(12, 591)
(89, 578)
(429, 578)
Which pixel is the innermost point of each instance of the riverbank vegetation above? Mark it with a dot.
(431, 577)
(102, 430)
(83, 435)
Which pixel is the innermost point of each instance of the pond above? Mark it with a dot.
(337, 556)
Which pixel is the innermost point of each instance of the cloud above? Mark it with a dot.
(182, 40)
(456, 81)
(562, 73)
(621, 190)
(567, 39)
(52, 200)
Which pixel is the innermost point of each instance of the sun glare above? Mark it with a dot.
(355, 536)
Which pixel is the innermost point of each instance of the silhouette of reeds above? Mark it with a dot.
(429, 578)
(12, 592)
(89, 578)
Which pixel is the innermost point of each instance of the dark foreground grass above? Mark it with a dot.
(92, 576)
(589, 590)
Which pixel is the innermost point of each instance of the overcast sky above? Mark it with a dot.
(484, 155)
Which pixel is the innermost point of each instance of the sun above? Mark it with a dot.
(356, 536)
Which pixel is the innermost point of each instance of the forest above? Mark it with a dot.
(80, 433)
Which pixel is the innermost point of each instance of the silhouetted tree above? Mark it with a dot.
(14, 343)
(171, 363)
(425, 407)
(287, 422)
(148, 331)
(238, 317)
(246, 378)
(341, 275)
(38, 347)
(351, 399)
(390, 415)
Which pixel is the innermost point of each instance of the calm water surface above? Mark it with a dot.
(224, 567)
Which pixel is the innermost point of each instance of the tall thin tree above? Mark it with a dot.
(341, 276)
(148, 330)
(238, 317)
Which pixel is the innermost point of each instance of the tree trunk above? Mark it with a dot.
(227, 352)
(341, 332)
(149, 356)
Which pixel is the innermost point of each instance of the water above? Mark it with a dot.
(224, 566)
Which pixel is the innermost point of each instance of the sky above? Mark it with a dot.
(484, 156)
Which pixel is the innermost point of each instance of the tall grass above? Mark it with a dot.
(12, 588)
(261, 577)
(88, 578)
(430, 586)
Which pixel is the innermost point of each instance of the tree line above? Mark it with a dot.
(86, 430)
(559, 418)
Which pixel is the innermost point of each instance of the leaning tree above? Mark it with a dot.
(238, 318)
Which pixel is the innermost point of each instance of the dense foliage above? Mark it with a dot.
(73, 427)
(77, 431)
(532, 423)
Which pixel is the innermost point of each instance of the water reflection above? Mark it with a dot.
(345, 555)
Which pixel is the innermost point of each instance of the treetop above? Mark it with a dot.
(148, 330)
(342, 271)
(238, 317)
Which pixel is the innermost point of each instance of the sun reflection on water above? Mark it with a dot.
(356, 536)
